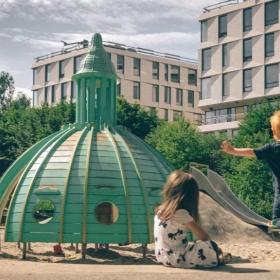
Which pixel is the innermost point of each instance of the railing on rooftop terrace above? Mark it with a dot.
(83, 45)
(221, 4)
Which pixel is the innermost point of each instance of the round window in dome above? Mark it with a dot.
(107, 213)
(43, 211)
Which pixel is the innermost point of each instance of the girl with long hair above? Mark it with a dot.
(176, 221)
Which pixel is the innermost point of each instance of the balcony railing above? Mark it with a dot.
(223, 118)
(221, 5)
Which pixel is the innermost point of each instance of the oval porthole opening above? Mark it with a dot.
(43, 211)
(107, 213)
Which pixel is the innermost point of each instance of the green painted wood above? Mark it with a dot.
(35, 157)
(140, 179)
(64, 195)
(125, 186)
(85, 196)
(57, 143)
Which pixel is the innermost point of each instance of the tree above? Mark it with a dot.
(7, 89)
(250, 179)
(138, 120)
(181, 143)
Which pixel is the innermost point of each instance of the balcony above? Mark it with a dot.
(221, 4)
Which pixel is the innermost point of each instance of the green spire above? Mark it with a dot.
(96, 81)
(97, 61)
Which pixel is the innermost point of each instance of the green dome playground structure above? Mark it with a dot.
(91, 182)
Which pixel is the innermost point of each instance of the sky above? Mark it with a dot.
(30, 28)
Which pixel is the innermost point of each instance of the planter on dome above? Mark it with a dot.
(91, 182)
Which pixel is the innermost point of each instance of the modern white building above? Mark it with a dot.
(239, 56)
(157, 81)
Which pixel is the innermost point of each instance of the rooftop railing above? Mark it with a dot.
(221, 5)
(69, 47)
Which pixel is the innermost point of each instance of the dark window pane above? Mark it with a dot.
(166, 72)
(155, 72)
(226, 85)
(46, 95)
(120, 64)
(247, 19)
(136, 66)
(225, 59)
(192, 77)
(61, 68)
(47, 72)
(53, 94)
(155, 93)
(247, 49)
(271, 75)
(204, 31)
(206, 59)
(222, 26)
(247, 80)
(271, 12)
(77, 63)
(175, 74)
(191, 98)
(179, 97)
(63, 91)
(269, 44)
(167, 95)
(136, 90)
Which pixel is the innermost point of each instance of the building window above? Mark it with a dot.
(166, 72)
(119, 89)
(179, 97)
(53, 94)
(136, 66)
(191, 98)
(175, 74)
(206, 59)
(155, 93)
(47, 72)
(247, 19)
(109, 55)
(74, 89)
(222, 26)
(165, 114)
(167, 95)
(35, 73)
(35, 98)
(204, 30)
(205, 88)
(225, 59)
(271, 75)
(225, 86)
(177, 115)
(155, 70)
(271, 12)
(61, 68)
(192, 77)
(269, 44)
(46, 95)
(136, 90)
(247, 49)
(77, 63)
(247, 80)
(210, 117)
(63, 92)
(120, 64)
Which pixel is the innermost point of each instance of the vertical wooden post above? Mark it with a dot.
(29, 246)
(18, 245)
(84, 248)
(77, 248)
(144, 247)
(107, 246)
(24, 251)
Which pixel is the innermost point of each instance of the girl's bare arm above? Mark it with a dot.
(198, 231)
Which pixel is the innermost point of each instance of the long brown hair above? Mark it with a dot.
(180, 192)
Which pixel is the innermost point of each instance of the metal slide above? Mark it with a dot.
(216, 187)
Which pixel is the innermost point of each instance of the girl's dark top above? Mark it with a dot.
(270, 153)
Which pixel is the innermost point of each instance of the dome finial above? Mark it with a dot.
(96, 40)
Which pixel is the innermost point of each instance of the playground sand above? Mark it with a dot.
(245, 243)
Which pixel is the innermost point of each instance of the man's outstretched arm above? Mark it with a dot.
(241, 152)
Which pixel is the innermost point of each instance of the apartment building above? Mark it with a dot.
(157, 81)
(239, 57)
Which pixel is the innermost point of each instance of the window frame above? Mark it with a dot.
(224, 33)
(271, 84)
(203, 59)
(247, 57)
(247, 28)
(266, 13)
(269, 53)
(245, 88)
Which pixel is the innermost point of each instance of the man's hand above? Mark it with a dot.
(241, 152)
